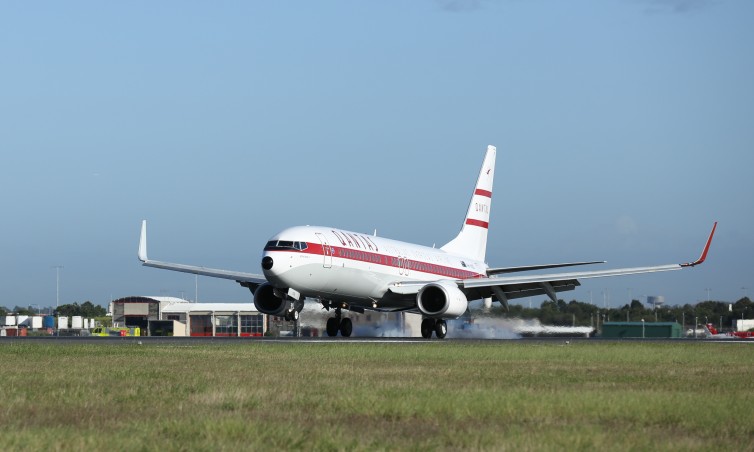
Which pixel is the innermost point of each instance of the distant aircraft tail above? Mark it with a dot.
(710, 329)
(471, 242)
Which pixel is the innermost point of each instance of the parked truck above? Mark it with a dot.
(116, 331)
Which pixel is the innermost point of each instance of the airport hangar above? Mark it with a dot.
(171, 316)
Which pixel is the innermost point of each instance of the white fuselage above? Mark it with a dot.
(333, 264)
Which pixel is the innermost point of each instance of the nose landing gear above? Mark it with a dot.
(291, 316)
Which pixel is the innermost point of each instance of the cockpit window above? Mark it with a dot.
(285, 245)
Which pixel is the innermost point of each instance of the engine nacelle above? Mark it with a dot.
(442, 299)
(267, 302)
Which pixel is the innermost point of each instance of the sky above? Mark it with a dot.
(624, 129)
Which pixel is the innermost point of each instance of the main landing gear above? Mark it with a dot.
(338, 323)
(438, 326)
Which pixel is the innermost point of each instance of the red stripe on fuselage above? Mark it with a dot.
(385, 260)
(481, 192)
(480, 223)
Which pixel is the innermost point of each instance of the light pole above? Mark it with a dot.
(57, 285)
(696, 325)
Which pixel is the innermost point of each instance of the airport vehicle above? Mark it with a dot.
(345, 270)
(101, 331)
(712, 333)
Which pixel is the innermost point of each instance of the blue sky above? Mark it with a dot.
(624, 129)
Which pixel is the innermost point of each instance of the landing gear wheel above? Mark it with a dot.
(332, 326)
(346, 327)
(441, 328)
(294, 315)
(428, 325)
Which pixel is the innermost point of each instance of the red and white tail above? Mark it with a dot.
(711, 328)
(471, 242)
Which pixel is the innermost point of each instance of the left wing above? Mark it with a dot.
(505, 288)
(250, 280)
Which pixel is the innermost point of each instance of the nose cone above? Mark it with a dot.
(267, 263)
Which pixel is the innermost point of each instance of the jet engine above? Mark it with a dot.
(267, 302)
(442, 299)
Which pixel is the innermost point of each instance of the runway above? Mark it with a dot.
(167, 340)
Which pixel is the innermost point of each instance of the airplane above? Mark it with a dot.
(350, 271)
(712, 333)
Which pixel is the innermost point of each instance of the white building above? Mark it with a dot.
(170, 316)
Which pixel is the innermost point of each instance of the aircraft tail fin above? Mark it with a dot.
(471, 242)
(710, 329)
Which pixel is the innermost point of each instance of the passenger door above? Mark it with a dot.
(326, 250)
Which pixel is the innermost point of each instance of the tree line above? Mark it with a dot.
(576, 313)
(86, 309)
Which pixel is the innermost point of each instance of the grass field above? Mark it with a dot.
(418, 396)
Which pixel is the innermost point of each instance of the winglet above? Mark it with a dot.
(706, 249)
(143, 242)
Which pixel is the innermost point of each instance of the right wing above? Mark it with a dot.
(245, 279)
(511, 287)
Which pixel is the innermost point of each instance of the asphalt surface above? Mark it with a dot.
(70, 340)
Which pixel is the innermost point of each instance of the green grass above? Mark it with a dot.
(330, 396)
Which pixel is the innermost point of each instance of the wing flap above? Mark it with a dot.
(526, 268)
(551, 278)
